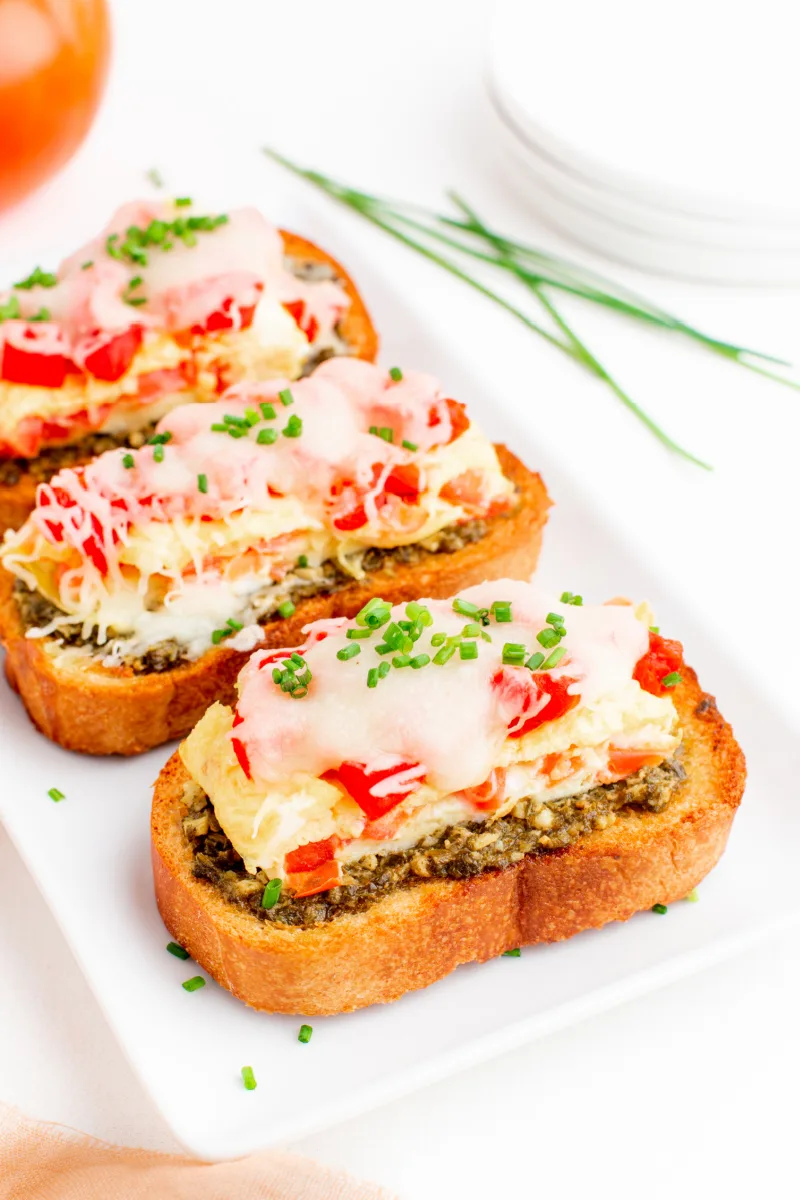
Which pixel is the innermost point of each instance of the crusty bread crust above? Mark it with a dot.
(17, 500)
(113, 711)
(420, 934)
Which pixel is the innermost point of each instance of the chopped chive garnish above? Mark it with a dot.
(218, 427)
(183, 201)
(251, 416)
(372, 677)
(472, 630)
(178, 951)
(515, 953)
(286, 398)
(37, 278)
(412, 446)
(654, 628)
(249, 1079)
(549, 638)
(468, 649)
(513, 654)
(357, 634)
(191, 985)
(234, 624)
(302, 561)
(235, 431)
(127, 461)
(669, 681)
(660, 909)
(293, 427)
(535, 661)
(296, 659)
(386, 432)
(438, 639)
(305, 1033)
(277, 674)
(218, 635)
(348, 651)
(692, 897)
(236, 422)
(571, 598)
(421, 660)
(158, 453)
(501, 611)
(286, 609)
(382, 648)
(445, 654)
(373, 429)
(465, 608)
(383, 670)
(159, 438)
(43, 314)
(402, 660)
(396, 374)
(267, 437)
(554, 619)
(202, 483)
(267, 411)
(56, 795)
(271, 894)
(554, 659)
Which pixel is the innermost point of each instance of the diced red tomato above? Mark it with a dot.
(309, 883)
(359, 782)
(403, 481)
(296, 310)
(487, 796)
(158, 383)
(465, 490)
(459, 421)
(93, 547)
(354, 519)
(34, 354)
(239, 748)
(623, 761)
(107, 355)
(385, 828)
(229, 315)
(312, 855)
(664, 656)
(522, 692)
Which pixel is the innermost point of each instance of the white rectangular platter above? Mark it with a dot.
(90, 857)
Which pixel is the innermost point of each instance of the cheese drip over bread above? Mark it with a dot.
(360, 765)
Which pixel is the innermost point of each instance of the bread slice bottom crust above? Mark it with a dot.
(421, 933)
(100, 710)
(17, 500)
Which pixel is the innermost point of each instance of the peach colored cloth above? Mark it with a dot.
(51, 1162)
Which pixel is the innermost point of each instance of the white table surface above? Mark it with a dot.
(691, 1089)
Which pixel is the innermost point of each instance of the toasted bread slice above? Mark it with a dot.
(98, 710)
(421, 933)
(18, 499)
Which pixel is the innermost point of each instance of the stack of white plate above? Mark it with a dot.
(664, 136)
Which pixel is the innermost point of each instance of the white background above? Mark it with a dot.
(688, 1090)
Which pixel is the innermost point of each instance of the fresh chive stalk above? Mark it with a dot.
(539, 273)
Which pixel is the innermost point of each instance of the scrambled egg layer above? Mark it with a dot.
(265, 822)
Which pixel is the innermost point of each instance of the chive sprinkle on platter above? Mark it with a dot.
(451, 240)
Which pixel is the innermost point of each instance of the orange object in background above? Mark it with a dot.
(53, 65)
